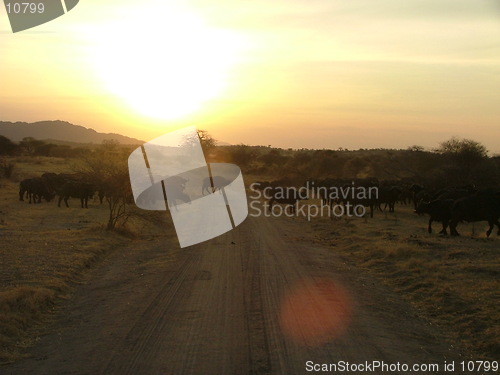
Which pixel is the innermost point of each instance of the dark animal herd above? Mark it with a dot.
(449, 206)
(63, 185)
(458, 204)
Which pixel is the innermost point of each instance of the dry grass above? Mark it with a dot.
(453, 282)
(33, 166)
(45, 251)
(21, 308)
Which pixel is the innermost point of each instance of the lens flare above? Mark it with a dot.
(315, 312)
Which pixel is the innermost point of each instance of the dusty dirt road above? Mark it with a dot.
(237, 304)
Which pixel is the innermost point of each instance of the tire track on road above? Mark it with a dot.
(215, 309)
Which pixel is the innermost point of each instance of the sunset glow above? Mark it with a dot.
(165, 66)
(322, 74)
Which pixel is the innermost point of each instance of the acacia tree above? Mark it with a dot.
(463, 150)
(206, 140)
(30, 144)
(464, 157)
(107, 170)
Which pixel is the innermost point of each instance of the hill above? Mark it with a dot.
(59, 130)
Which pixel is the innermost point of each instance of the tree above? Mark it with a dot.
(206, 140)
(416, 148)
(108, 172)
(463, 158)
(7, 147)
(30, 144)
(202, 137)
(463, 150)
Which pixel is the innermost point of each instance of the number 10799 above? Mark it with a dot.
(25, 8)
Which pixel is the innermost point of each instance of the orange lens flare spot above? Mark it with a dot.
(315, 312)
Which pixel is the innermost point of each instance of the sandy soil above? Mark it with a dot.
(262, 299)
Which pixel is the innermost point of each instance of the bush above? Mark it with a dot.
(6, 168)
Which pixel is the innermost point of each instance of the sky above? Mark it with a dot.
(287, 73)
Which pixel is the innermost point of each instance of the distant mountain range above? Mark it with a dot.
(59, 130)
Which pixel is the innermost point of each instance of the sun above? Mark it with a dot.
(164, 61)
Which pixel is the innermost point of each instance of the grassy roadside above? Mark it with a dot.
(45, 251)
(453, 282)
(44, 260)
(37, 276)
